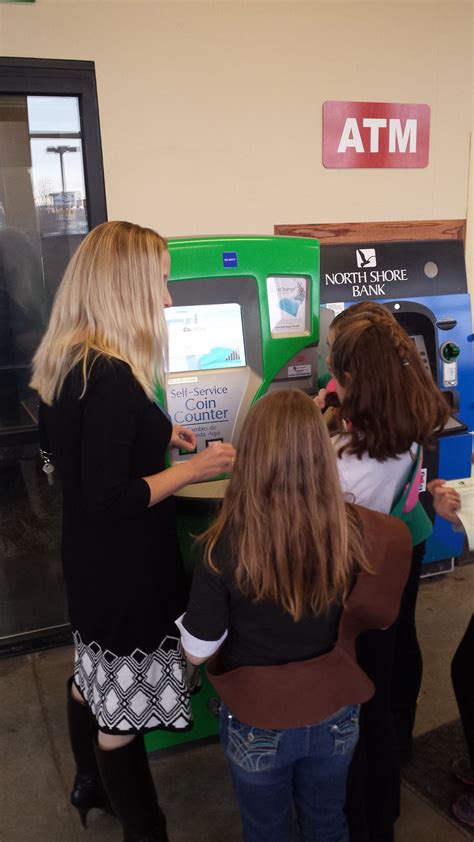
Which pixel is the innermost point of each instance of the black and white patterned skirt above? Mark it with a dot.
(138, 692)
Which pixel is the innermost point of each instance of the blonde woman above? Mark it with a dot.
(285, 587)
(96, 371)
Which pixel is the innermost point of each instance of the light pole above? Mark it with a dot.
(61, 151)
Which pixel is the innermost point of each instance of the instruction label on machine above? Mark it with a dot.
(299, 371)
(287, 304)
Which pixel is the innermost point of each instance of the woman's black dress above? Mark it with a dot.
(122, 566)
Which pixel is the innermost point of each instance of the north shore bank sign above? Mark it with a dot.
(366, 282)
(383, 135)
(391, 270)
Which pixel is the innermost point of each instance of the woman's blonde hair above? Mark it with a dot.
(110, 303)
(296, 542)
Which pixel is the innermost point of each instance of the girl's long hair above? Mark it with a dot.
(296, 542)
(390, 399)
(110, 303)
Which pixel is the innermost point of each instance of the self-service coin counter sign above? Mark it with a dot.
(244, 320)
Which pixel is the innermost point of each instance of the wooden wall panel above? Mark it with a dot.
(373, 232)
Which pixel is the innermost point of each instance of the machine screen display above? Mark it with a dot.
(205, 336)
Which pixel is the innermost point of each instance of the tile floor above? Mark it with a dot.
(36, 767)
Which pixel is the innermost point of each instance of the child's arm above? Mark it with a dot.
(446, 500)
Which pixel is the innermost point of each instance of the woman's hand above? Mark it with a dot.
(446, 500)
(183, 437)
(216, 459)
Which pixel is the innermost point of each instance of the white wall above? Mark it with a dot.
(211, 111)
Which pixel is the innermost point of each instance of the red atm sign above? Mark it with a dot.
(375, 134)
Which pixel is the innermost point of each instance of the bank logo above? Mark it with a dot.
(366, 258)
(229, 259)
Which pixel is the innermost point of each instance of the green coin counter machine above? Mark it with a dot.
(244, 322)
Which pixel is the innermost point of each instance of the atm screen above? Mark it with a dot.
(205, 336)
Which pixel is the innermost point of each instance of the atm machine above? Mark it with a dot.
(244, 321)
(424, 285)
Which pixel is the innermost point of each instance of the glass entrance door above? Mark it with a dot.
(43, 218)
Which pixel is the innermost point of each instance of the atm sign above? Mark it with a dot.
(375, 134)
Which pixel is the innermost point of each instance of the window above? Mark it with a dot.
(51, 195)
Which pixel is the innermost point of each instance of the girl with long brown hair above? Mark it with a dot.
(391, 408)
(96, 372)
(285, 585)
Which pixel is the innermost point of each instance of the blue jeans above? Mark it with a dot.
(274, 770)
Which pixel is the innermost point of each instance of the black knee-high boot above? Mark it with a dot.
(87, 791)
(127, 778)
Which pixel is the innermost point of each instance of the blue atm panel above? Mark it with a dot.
(424, 285)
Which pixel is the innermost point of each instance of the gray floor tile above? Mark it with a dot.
(196, 793)
(33, 803)
(420, 823)
(445, 605)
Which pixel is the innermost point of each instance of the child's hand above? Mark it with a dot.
(183, 437)
(320, 398)
(446, 500)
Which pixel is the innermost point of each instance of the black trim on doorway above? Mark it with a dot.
(39, 641)
(61, 77)
(53, 77)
